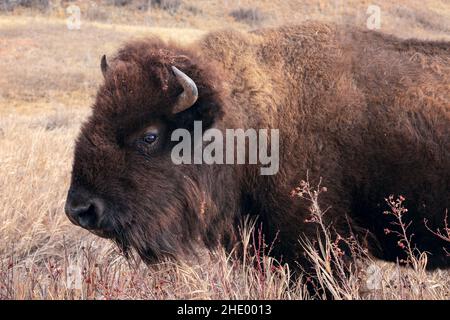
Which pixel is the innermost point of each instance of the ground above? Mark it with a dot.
(49, 75)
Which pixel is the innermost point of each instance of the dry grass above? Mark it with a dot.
(49, 77)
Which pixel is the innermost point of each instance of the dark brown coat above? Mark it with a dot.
(368, 113)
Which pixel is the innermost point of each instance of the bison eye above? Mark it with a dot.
(150, 138)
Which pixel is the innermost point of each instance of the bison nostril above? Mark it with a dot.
(88, 218)
(86, 215)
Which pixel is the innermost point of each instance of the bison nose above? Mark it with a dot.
(86, 214)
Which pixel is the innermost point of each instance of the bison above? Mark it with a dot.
(368, 113)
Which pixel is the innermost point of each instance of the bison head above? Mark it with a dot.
(124, 184)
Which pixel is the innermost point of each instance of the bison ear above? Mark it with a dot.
(104, 66)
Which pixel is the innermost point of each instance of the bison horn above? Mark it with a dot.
(190, 93)
(104, 65)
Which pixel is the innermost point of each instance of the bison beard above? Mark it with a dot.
(368, 113)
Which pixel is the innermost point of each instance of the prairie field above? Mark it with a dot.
(50, 71)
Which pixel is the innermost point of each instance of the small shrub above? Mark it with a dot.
(435, 22)
(168, 5)
(120, 3)
(9, 5)
(96, 13)
(56, 120)
(250, 16)
(194, 10)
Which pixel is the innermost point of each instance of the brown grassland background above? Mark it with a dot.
(48, 79)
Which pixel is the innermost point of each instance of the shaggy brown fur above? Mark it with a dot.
(367, 112)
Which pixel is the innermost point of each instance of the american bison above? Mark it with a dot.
(367, 112)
